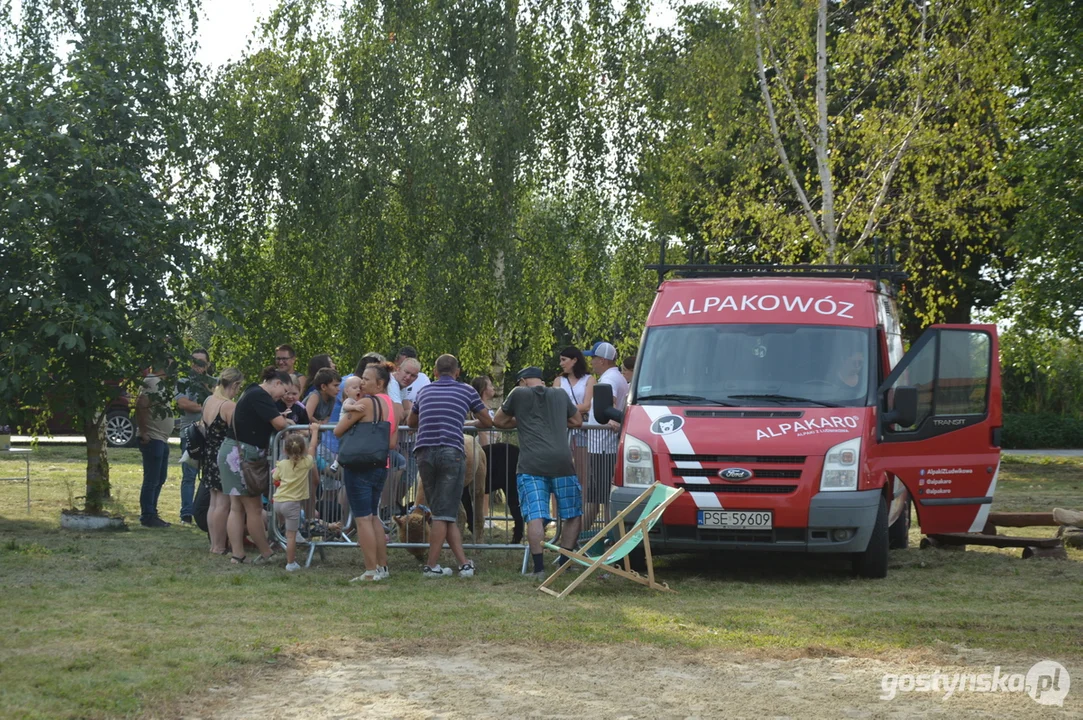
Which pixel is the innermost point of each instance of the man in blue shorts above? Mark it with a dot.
(543, 416)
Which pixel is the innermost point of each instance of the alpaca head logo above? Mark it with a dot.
(667, 424)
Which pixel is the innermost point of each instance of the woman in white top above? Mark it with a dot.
(579, 384)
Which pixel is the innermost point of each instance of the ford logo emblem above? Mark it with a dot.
(735, 474)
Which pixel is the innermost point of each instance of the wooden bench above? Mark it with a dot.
(1048, 547)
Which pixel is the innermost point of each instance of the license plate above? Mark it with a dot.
(736, 519)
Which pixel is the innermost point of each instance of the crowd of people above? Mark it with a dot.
(562, 469)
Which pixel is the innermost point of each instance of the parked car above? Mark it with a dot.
(120, 426)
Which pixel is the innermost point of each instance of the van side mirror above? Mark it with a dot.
(905, 412)
(603, 405)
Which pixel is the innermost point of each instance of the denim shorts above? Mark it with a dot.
(363, 489)
(443, 474)
(534, 492)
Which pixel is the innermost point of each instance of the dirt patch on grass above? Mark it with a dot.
(511, 681)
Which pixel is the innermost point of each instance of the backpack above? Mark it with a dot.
(195, 439)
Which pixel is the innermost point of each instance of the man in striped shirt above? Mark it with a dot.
(439, 414)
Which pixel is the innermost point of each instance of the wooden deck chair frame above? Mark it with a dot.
(593, 563)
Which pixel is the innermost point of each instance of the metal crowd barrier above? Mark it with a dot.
(327, 521)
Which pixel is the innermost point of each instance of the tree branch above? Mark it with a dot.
(788, 93)
(871, 223)
(826, 184)
(773, 122)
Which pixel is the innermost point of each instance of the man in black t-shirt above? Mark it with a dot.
(543, 416)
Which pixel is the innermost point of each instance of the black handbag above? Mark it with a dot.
(365, 444)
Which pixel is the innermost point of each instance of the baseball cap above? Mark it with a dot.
(529, 372)
(602, 350)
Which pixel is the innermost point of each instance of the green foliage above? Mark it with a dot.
(94, 237)
(444, 176)
(1028, 432)
(1047, 237)
(1041, 373)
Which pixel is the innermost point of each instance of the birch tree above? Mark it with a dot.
(803, 131)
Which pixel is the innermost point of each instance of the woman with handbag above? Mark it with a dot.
(366, 436)
(242, 461)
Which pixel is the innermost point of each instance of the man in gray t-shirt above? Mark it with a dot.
(543, 416)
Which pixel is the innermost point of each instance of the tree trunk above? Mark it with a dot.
(500, 354)
(505, 164)
(97, 466)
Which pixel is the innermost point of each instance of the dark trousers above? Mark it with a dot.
(155, 471)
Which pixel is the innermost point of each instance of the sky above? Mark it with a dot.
(227, 25)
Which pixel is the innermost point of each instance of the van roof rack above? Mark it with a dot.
(889, 272)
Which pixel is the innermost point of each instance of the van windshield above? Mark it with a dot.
(798, 365)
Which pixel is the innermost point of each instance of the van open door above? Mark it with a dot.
(939, 425)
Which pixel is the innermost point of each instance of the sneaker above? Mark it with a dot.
(368, 576)
(292, 567)
(435, 572)
(466, 570)
(383, 572)
(537, 575)
(154, 522)
(186, 519)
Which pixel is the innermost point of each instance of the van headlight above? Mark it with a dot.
(638, 462)
(840, 466)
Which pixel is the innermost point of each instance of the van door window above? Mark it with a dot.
(950, 369)
(919, 373)
(962, 379)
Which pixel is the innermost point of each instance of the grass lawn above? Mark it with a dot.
(134, 623)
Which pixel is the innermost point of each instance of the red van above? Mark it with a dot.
(781, 401)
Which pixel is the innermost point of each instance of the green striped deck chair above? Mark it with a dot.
(610, 547)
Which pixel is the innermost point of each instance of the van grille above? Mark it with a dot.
(757, 459)
(708, 472)
(738, 489)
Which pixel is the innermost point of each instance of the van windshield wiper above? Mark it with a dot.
(682, 398)
(782, 398)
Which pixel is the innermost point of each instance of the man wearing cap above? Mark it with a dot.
(602, 443)
(543, 416)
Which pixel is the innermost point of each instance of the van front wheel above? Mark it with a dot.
(899, 533)
(873, 562)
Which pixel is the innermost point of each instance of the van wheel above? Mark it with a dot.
(873, 562)
(898, 537)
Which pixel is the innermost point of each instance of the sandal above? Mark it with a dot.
(234, 560)
(265, 559)
(219, 552)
